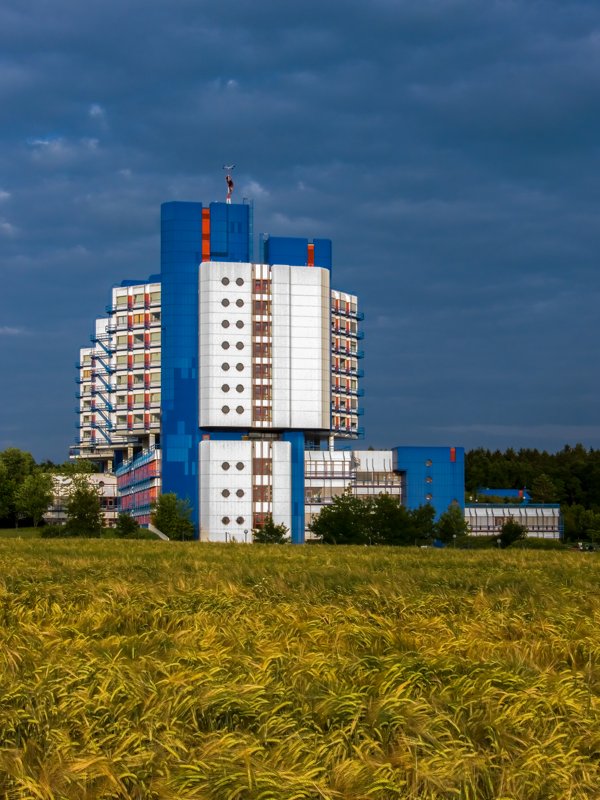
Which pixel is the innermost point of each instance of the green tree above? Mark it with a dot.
(34, 496)
(84, 513)
(422, 520)
(390, 522)
(511, 531)
(126, 526)
(451, 525)
(543, 489)
(172, 516)
(270, 533)
(18, 465)
(345, 521)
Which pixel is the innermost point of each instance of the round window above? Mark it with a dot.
(240, 520)
(239, 465)
(225, 409)
(225, 323)
(239, 303)
(225, 492)
(225, 520)
(225, 366)
(225, 345)
(428, 497)
(225, 302)
(225, 465)
(240, 492)
(225, 387)
(239, 367)
(239, 345)
(239, 388)
(239, 281)
(239, 324)
(225, 281)
(240, 409)
(428, 463)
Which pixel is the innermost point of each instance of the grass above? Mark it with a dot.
(165, 670)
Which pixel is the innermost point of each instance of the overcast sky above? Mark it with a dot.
(448, 147)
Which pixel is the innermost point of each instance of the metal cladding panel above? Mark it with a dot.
(434, 475)
(225, 489)
(323, 253)
(225, 345)
(229, 232)
(181, 247)
(296, 440)
(286, 250)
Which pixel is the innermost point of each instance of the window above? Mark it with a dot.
(262, 307)
(262, 466)
(239, 409)
(225, 520)
(225, 323)
(240, 367)
(239, 324)
(239, 303)
(225, 281)
(225, 345)
(239, 345)
(225, 493)
(138, 319)
(261, 349)
(239, 387)
(225, 465)
(262, 370)
(239, 493)
(262, 494)
(261, 392)
(261, 328)
(262, 286)
(239, 465)
(225, 387)
(239, 520)
(262, 413)
(239, 281)
(225, 409)
(225, 367)
(225, 302)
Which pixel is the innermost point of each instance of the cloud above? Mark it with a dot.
(7, 330)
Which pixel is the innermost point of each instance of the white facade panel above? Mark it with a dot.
(225, 491)
(225, 351)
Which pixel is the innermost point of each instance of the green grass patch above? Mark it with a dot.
(157, 671)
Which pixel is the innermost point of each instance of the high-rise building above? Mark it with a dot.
(228, 381)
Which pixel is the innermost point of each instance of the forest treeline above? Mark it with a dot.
(569, 477)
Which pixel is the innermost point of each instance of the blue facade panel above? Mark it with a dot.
(181, 255)
(434, 475)
(296, 439)
(229, 232)
(323, 253)
(286, 250)
(181, 252)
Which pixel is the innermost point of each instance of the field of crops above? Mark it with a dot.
(179, 671)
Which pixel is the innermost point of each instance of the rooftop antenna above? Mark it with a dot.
(229, 180)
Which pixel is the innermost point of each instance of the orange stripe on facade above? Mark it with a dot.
(206, 234)
(310, 259)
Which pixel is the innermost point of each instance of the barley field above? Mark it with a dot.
(182, 671)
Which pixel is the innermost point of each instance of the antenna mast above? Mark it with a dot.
(229, 180)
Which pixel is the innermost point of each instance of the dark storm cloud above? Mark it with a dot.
(450, 149)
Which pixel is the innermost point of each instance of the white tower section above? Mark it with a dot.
(265, 347)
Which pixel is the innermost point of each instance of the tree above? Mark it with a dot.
(126, 526)
(390, 522)
(451, 525)
(511, 531)
(172, 516)
(270, 533)
(84, 513)
(543, 489)
(34, 496)
(345, 521)
(18, 464)
(423, 527)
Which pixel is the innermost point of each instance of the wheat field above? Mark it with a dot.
(179, 671)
